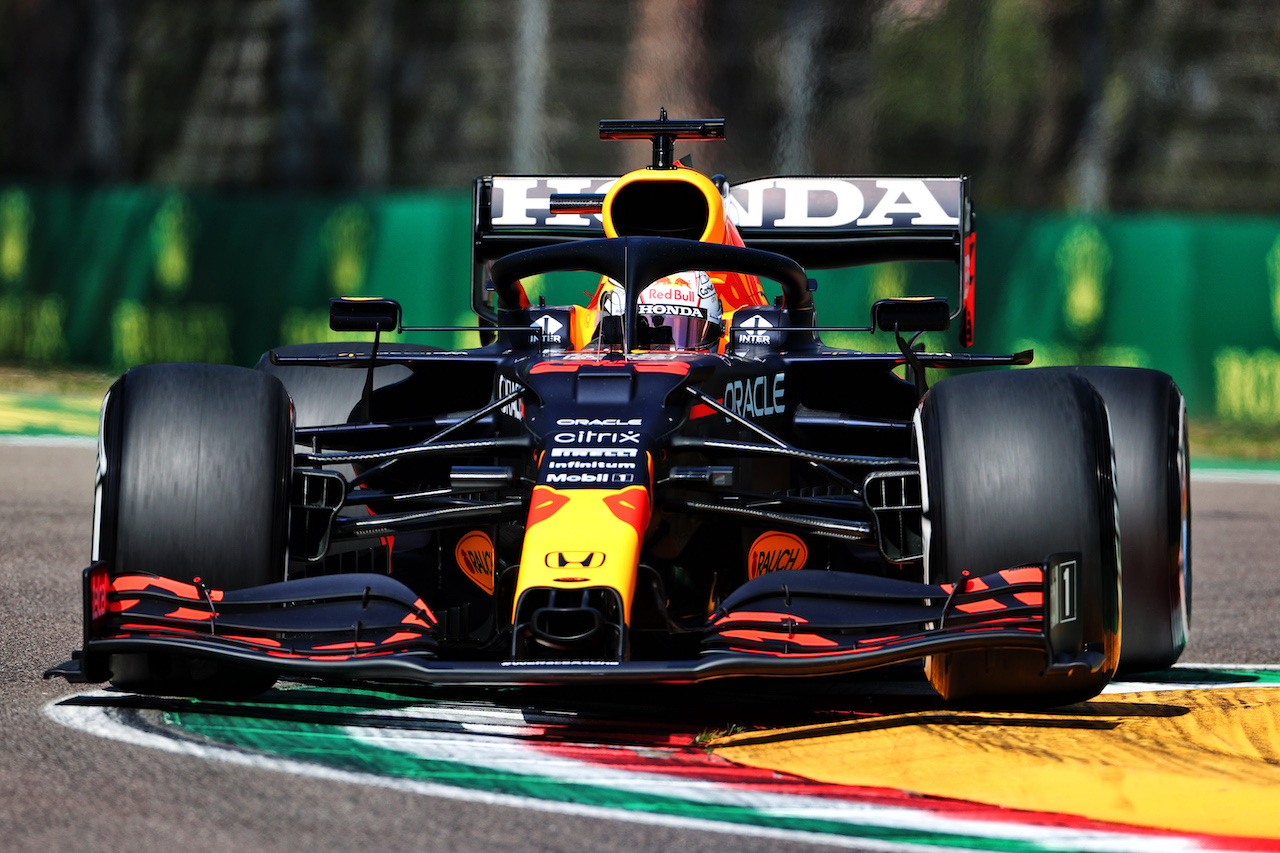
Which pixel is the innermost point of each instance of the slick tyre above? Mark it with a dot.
(1018, 466)
(194, 468)
(1149, 432)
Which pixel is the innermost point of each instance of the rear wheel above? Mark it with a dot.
(1018, 466)
(194, 468)
(1149, 431)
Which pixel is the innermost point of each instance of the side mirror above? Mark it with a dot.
(912, 314)
(364, 314)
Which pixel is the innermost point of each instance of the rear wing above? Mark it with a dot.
(821, 222)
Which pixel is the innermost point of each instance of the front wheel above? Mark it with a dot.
(1149, 430)
(1018, 465)
(194, 467)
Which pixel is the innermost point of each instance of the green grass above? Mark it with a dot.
(1224, 440)
(706, 738)
(44, 381)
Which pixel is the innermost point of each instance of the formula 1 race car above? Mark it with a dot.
(675, 481)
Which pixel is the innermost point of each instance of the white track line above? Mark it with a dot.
(1235, 475)
(50, 440)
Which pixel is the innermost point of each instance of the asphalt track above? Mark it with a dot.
(66, 789)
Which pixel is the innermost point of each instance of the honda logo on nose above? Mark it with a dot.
(577, 559)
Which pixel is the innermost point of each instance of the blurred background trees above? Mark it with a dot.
(1077, 104)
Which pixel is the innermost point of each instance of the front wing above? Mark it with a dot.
(364, 626)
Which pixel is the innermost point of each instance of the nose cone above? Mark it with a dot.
(577, 538)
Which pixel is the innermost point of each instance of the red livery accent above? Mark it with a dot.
(969, 277)
(257, 641)
(675, 368)
(1029, 574)
(545, 503)
(402, 637)
(985, 606)
(192, 615)
(142, 583)
(631, 507)
(99, 583)
(799, 639)
(837, 653)
(556, 367)
(760, 616)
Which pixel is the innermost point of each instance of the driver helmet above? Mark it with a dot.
(681, 310)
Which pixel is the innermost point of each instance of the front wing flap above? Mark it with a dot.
(806, 613)
(361, 626)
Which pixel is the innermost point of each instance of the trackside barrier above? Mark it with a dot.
(113, 277)
(122, 276)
